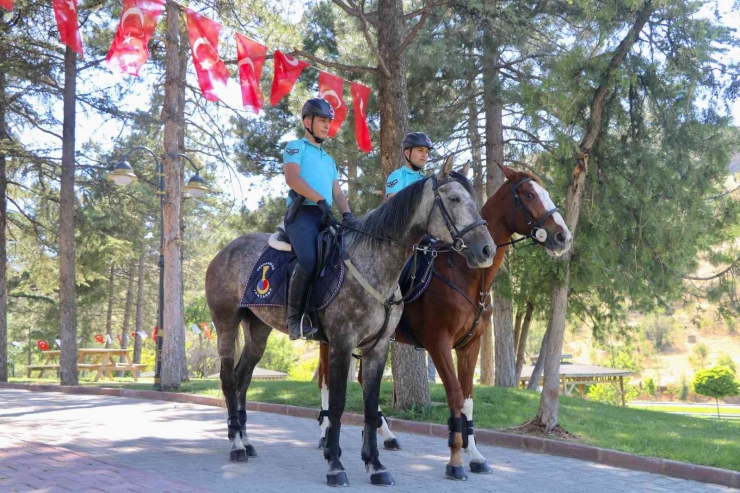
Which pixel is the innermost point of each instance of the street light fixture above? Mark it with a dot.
(122, 175)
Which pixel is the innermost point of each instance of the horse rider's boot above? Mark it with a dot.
(299, 284)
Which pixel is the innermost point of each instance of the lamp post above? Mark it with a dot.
(123, 175)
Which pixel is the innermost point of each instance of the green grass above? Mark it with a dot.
(678, 408)
(656, 434)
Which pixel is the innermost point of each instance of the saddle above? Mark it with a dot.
(269, 277)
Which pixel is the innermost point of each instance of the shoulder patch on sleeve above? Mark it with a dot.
(391, 183)
(292, 151)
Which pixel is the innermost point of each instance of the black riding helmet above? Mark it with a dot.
(316, 107)
(416, 139)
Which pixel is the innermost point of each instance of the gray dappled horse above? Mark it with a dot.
(364, 314)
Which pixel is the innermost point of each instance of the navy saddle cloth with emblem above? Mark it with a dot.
(269, 278)
(412, 288)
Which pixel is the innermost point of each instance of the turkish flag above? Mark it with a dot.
(154, 334)
(331, 88)
(213, 76)
(251, 57)
(129, 49)
(360, 95)
(287, 71)
(99, 338)
(66, 13)
(6, 4)
(42, 344)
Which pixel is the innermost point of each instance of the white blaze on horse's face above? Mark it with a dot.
(560, 232)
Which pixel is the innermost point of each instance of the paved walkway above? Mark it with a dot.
(52, 442)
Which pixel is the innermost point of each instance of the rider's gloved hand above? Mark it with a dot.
(347, 217)
(327, 216)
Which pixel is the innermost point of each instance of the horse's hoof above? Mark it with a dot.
(481, 468)
(322, 443)
(392, 444)
(251, 451)
(239, 455)
(382, 478)
(337, 479)
(456, 473)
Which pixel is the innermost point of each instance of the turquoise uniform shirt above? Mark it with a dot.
(317, 167)
(401, 178)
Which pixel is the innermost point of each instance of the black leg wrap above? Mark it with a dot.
(369, 450)
(234, 427)
(455, 426)
(470, 427)
(380, 419)
(465, 430)
(242, 417)
(323, 414)
(332, 451)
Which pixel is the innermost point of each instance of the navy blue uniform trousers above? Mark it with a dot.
(303, 232)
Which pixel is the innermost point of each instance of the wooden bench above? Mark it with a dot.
(102, 362)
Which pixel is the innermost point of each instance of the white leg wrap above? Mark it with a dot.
(472, 450)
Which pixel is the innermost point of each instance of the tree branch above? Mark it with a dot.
(340, 66)
(425, 12)
(359, 12)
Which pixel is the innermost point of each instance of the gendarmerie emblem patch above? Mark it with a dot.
(291, 151)
(391, 184)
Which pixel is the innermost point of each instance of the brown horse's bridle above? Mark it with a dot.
(536, 233)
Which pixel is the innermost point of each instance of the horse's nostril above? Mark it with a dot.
(560, 237)
(486, 252)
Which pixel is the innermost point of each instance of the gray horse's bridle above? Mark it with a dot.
(458, 244)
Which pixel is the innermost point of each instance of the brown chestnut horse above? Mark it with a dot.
(456, 308)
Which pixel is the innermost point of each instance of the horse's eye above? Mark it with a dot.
(454, 199)
(529, 195)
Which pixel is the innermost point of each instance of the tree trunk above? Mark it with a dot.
(3, 224)
(410, 381)
(547, 417)
(183, 70)
(534, 381)
(67, 306)
(409, 388)
(127, 310)
(518, 326)
(392, 91)
(109, 313)
(139, 310)
(473, 135)
(521, 344)
(172, 331)
(502, 310)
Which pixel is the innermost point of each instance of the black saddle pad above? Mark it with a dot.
(269, 278)
(415, 287)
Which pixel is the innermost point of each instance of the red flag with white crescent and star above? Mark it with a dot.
(213, 76)
(287, 71)
(331, 88)
(65, 12)
(360, 96)
(6, 4)
(129, 50)
(251, 57)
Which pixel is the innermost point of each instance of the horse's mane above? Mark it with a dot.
(391, 219)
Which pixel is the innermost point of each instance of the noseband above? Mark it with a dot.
(536, 233)
(458, 244)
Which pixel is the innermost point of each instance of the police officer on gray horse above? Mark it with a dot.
(312, 177)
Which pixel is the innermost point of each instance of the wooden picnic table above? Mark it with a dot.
(101, 362)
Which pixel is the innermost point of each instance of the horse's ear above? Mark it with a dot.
(509, 173)
(465, 169)
(447, 168)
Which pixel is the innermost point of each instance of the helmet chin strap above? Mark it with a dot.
(413, 166)
(309, 130)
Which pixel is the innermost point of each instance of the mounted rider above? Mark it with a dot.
(312, 177)
(416, 147)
